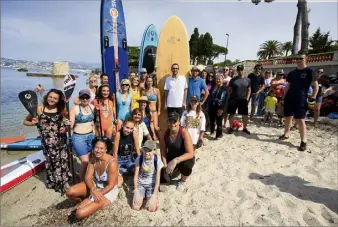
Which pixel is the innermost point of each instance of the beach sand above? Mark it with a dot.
(237, 180)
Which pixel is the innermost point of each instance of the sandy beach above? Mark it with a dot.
(238, 180)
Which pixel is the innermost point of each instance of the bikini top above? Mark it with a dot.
(153, 96)
(81, 118)
(101, 181)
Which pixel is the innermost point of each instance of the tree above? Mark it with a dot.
(286, 47)
(134, 53)
(218, 50)
(193, 44)
(208, 43)
(268, 49)
(320, 42)
(302, 23)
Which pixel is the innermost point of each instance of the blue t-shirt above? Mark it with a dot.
(195, 88)
(300, 81)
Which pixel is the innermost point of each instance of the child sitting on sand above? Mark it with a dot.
(193, 119)
(147, 177)
(270, 104)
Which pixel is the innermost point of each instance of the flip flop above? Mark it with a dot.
(283, 137)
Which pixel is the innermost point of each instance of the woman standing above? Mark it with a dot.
(82, 123)
(104, 107)
(123, 98)
(52, 128)
(100, 184)
(146, 115)
(154, 102)
(193, 120)
(135, 92)
(216, 106)
(92, 88)
(177, 152)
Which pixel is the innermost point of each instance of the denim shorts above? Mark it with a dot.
(146, 190)
(82, 143)
(126, 164)
(319, 99)
(255, 99)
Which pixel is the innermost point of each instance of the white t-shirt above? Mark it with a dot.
(142, 131)
(147, 173)
(193, 125)
(175, 88)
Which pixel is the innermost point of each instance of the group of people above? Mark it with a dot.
(116, 134)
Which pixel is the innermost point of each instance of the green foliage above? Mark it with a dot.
(134, 53)
(287, 47)
(269, 49)
(193, 44)
(320, 42)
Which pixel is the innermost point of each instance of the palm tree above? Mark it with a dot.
(268, 49)
(286, 47)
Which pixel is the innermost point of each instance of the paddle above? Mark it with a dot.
(69, 83)
(29, 100)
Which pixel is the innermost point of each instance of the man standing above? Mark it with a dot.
(196, 86)
(226, 81)
(257, 86)
(296, 98)
(175, 91)
(143, 74)
(239, 89)
(324, 87)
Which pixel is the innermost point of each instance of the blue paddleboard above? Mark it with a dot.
(28, 144)
(148, 48)
(114, 49)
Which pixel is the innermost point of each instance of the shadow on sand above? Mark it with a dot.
(297, 187)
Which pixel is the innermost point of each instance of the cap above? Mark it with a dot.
(240, 68)
(194, 98)
(280, 72)
(195, 68)
(143, 98)
(173, 116)
(150, 145)
(125, 81)
(143, 70)
(84, 92)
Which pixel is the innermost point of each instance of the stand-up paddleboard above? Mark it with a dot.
(173, 47)
(114, 48)
(15, 172)
(7, 140)
(33, 143)
(148, 48)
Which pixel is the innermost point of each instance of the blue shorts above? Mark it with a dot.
(126, 164)
(319, 99)
(82, 143)
(146, 190)
(254, 99)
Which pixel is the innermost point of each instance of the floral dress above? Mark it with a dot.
(54, 146)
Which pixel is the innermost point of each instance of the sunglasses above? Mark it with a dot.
(320, 71)
(125, 85)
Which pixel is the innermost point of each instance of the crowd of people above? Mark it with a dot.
(115, 135)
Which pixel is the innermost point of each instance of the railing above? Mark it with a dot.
(323, 57)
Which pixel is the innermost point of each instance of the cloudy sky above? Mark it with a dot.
(70, 30)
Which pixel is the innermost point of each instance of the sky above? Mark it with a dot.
(70, 30)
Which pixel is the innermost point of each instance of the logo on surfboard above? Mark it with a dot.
(173, 40)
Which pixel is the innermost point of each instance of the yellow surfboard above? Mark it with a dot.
(173, 47)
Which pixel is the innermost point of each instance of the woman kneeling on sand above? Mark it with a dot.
(100, 185)
(147, 177)
(177, 151)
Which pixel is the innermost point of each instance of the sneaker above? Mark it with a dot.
(302, 146)
(180, 186)
(245, 130)
(207, 133)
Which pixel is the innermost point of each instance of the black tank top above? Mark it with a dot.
(176, 148)
(126, 145)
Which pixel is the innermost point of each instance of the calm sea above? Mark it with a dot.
(12, 111)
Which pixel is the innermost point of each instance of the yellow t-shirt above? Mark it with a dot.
(135, 95)
(270, 102)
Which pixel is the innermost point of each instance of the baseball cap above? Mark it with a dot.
(240, 68)
(149, 145)
(84, 92)
(143, 70)
(125, 81)
(173, 116)
(194, 68)
(194, 98)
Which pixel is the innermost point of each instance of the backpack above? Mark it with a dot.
(155, 161)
